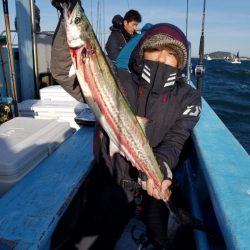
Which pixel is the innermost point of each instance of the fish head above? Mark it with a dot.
(75, 25)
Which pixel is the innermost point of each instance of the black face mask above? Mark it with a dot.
(158, 75)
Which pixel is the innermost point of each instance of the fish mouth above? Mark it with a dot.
(75, 43)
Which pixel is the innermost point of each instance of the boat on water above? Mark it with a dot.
(45, 175)
(208, 57)
(234, 59)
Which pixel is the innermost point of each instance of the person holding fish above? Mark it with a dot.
(138, 141)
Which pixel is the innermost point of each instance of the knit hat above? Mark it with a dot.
(166, 35)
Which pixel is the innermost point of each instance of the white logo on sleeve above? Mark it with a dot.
(171, 80)
(146, 73)
(192, 110)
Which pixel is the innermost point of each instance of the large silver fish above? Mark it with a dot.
(104, 97)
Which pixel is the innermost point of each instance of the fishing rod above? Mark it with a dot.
(189, 63)
(34, 45)
(199, 69)
(5, 108)
(187, 19)
(5, 76)
(10, 55)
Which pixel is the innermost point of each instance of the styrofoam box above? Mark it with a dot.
(58, 108)
(54, 108)
(55, 93)
(48, 109)
(25, 108)
(25, 142)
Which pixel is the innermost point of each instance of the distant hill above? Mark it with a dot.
(222, 55)
(219, 54)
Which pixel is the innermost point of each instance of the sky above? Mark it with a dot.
(227, 22)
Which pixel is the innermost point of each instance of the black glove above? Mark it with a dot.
(57, 4)
(53, 2)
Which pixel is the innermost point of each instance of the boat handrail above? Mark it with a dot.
(13, 42)
(225, 165)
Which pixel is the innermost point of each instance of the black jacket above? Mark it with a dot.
(116, 41)
(173, 111)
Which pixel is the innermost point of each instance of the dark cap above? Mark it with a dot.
(117, 21)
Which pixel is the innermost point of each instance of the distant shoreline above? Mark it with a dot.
(221, 55)
(241, 58)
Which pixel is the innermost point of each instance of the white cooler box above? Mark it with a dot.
(59, 110)
(26, 108)
(24, 143)
(55, 93)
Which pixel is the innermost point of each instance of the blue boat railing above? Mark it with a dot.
(224, 167)
(30, 211)
(14, 40)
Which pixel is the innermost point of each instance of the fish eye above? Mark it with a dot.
(77, 20)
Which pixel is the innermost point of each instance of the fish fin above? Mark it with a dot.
(113, 149)
(143, 121)
(72, 71)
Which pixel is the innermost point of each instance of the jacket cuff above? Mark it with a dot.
(165, 169)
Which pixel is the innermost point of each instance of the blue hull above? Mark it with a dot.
(217, 182)
(217, 174)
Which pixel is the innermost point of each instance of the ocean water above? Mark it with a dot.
(226, 87)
